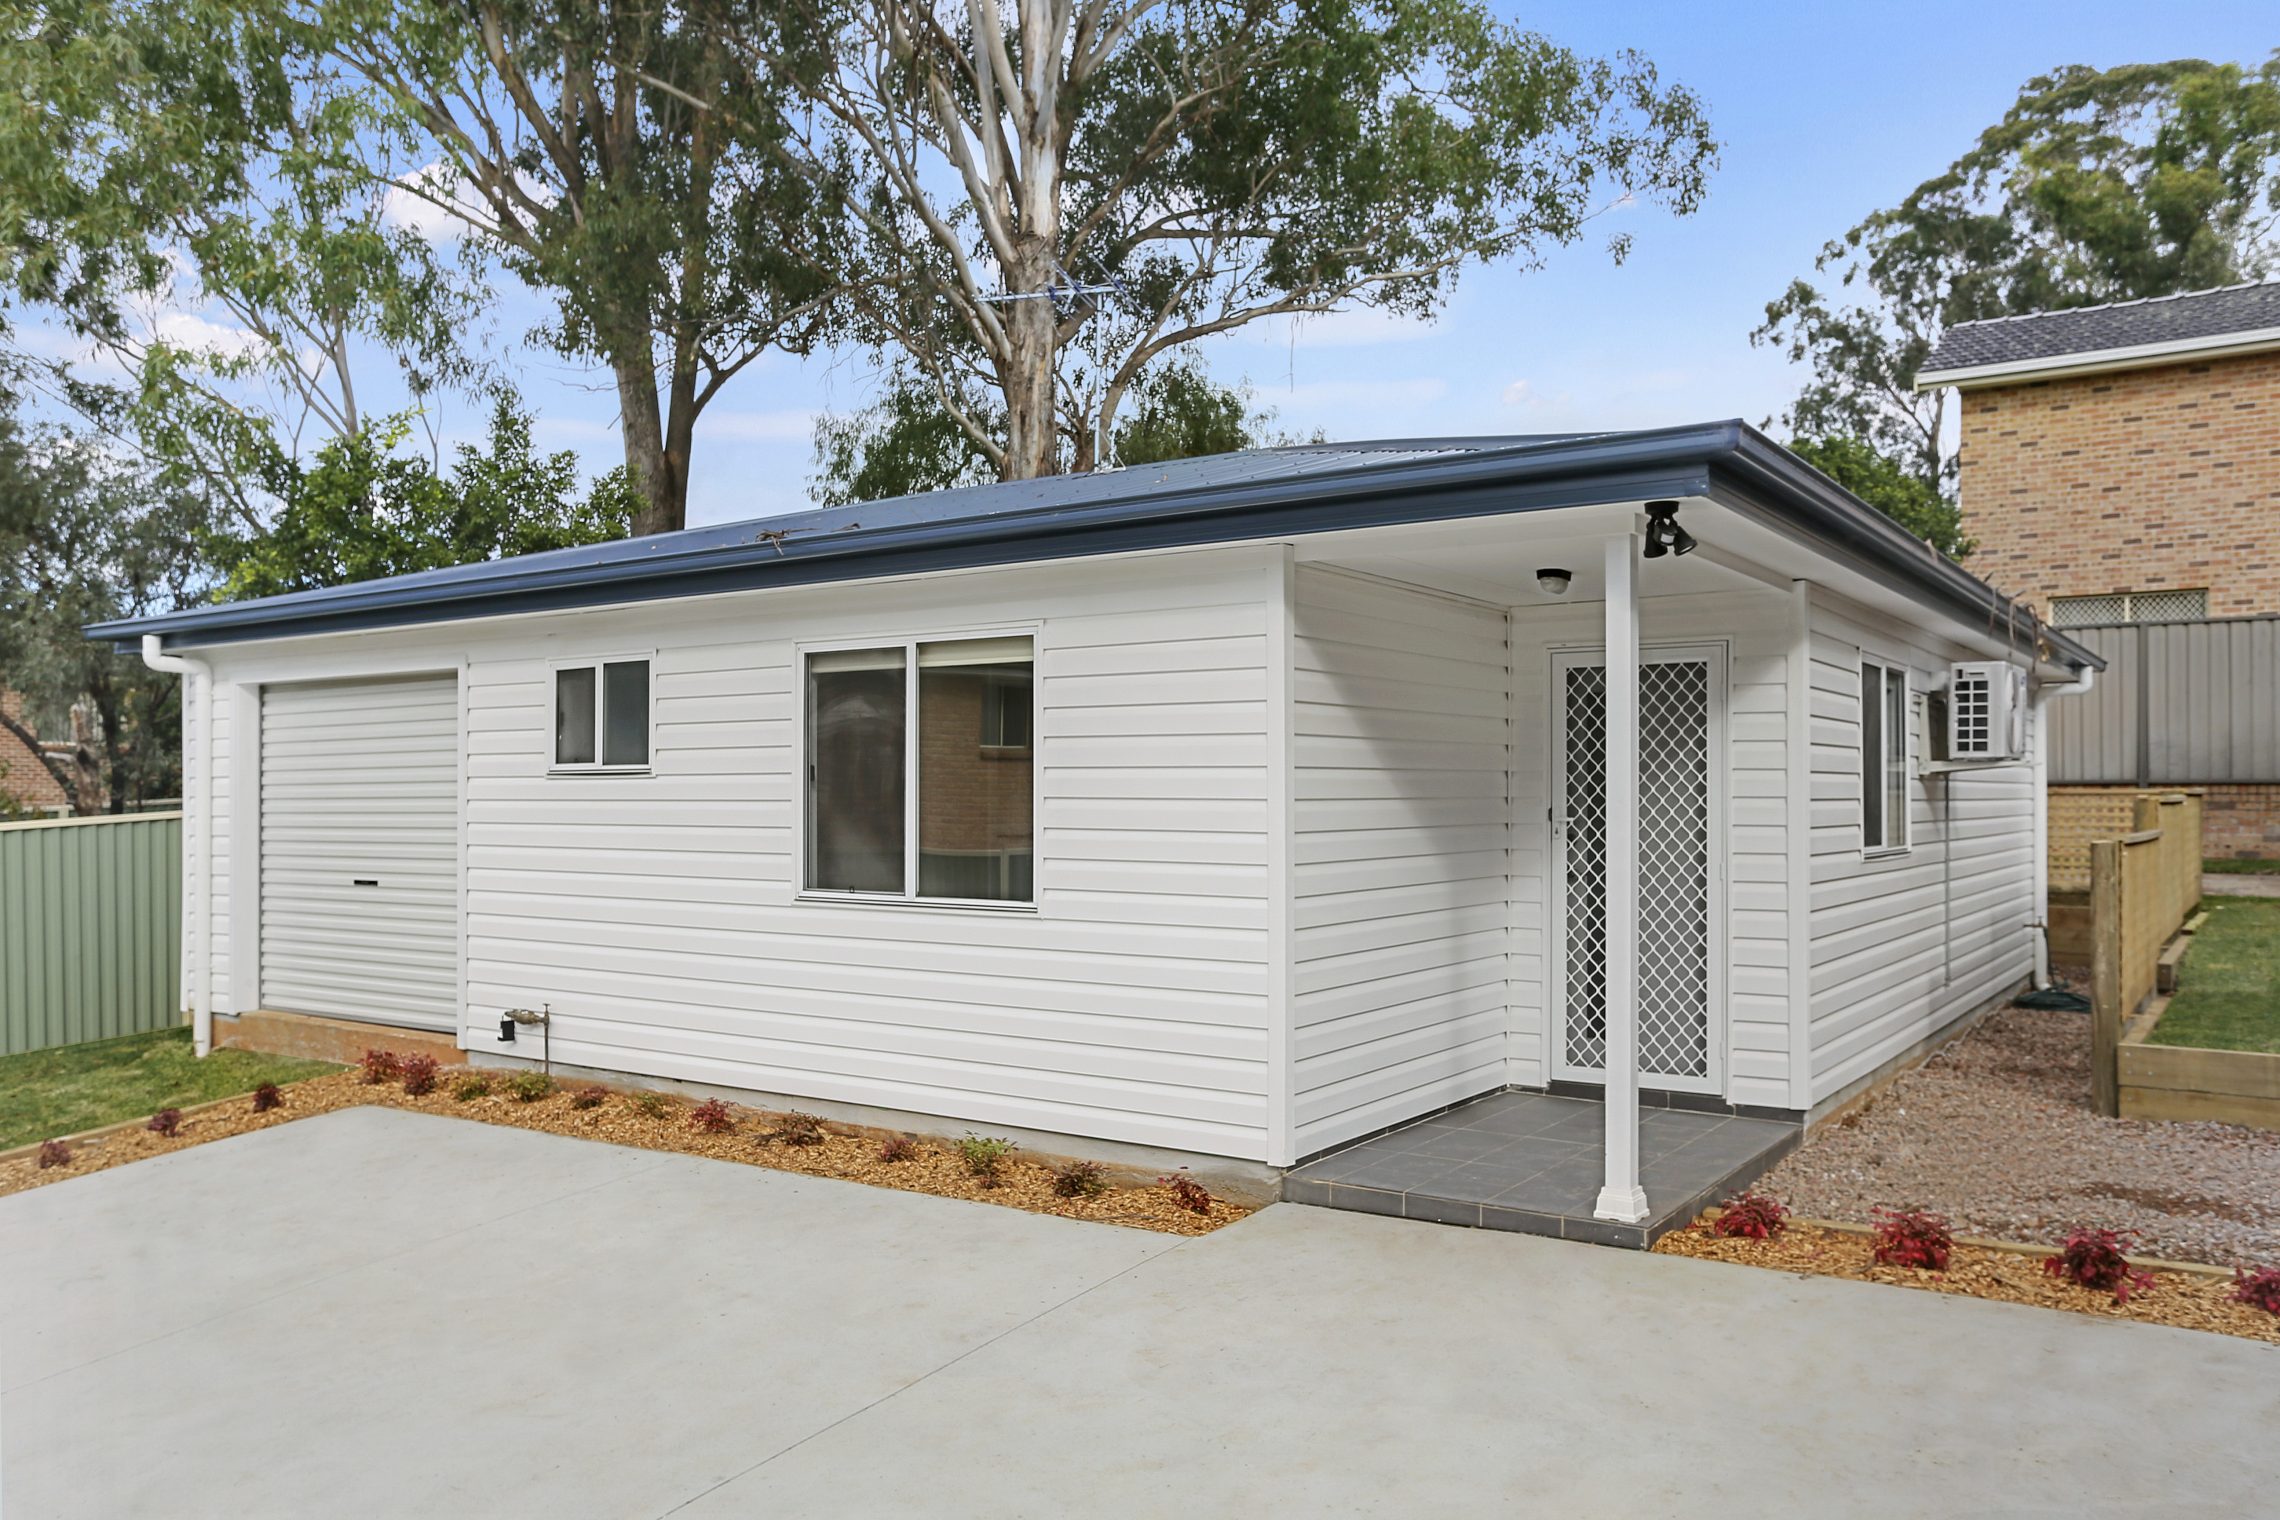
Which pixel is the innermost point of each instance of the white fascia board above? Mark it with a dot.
(2098, 361)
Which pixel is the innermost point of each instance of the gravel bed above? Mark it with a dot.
(1996, 1132)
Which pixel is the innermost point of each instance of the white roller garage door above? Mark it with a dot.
(360, 850)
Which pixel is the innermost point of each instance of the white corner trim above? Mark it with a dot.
(2098, 361)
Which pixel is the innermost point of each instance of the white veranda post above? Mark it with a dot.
(1620, 1196)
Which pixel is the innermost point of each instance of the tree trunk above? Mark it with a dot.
(1031, 442)
(660, 480)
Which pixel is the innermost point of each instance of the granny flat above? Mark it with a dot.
(1243, 807)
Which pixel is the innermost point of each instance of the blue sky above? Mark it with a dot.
(1826, 112)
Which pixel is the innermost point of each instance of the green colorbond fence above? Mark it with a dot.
(90, 929)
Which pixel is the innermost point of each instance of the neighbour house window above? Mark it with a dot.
(2130, 607)
(1883, 756)
(920, 772)
(601, 716)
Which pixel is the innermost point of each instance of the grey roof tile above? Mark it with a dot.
(2096, 329)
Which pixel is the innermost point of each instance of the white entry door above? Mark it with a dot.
(360, 850)
(1682, 936)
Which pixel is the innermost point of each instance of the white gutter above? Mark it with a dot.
(2079, 686)
(197, 843)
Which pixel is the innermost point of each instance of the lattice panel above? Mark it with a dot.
(2080, 611)
(1586, 758)
(2168, 606)
(1674, 869)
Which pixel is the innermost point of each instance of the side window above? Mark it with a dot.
(920, 774)
(601, 716)
(1884, 724)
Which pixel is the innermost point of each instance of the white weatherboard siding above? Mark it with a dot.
(1400, 852)
(1904, 944)
(360, 849)
(1753, 626)
(659, 916)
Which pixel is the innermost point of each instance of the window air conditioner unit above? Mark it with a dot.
(1986, 714)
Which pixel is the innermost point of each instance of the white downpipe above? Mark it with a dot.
(2079, 686)
(1621, 1198)
(197, 842)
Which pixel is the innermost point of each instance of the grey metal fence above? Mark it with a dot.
(2178, 704)
(90, 929)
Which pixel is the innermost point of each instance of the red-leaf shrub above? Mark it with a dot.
(1188, 1193)
(54, 1153)
(1912, 1238)
(589, 1097)
(267, 1097)
(2094, 1259)
(418, 1072)
(380, 1066)
(2260, 1289)
(712, 1116)
(165, 1122)
(899, 1148)
(1751, 1216)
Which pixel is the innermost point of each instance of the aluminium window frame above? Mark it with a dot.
(803, 822)
(1889, 734)
(595, 767)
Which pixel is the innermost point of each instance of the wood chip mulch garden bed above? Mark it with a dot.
(2188, 1300)
(844, 1152)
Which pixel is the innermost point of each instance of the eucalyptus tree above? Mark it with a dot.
(1048, 196)
(344, 176)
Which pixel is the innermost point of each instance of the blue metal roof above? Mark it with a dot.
(1223, 498)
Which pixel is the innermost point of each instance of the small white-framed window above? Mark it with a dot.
(1884, 723)
(921, 774)
(602, 715)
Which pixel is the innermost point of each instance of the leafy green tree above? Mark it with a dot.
(177, 202)
(1209, 164)
(2097, 185)
(83, 539)
(907, 442)
(1892, 486)
(365, 509)
(627, 160)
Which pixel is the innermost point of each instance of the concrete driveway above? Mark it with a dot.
(376, 1313)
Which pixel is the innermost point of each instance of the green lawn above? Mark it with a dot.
(2228, 990)
(45, 1093)
(2241, 867)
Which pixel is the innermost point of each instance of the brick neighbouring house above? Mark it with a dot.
(26, 782)
(2122, 464)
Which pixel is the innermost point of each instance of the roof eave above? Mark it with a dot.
(1840, 526)
(2101, 361)
(1670, 462)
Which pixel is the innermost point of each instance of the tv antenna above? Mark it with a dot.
(1067, 292)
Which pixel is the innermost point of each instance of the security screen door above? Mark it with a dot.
(1681, 829)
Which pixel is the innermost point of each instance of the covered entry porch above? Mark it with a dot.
(1543, 792)
(1536, 1163)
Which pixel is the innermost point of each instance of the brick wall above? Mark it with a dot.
(2144, 480)
(24, 780)
(2242, 822)
(971, 797)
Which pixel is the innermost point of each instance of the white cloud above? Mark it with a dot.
(442, 207)
(1525, 393)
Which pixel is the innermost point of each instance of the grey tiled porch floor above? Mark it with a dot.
(1532, 1162)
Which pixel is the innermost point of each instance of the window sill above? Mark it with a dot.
(938, 904)
(600, 770)
(1888, 852)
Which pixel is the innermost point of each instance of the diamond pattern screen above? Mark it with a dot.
(1674, 868)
